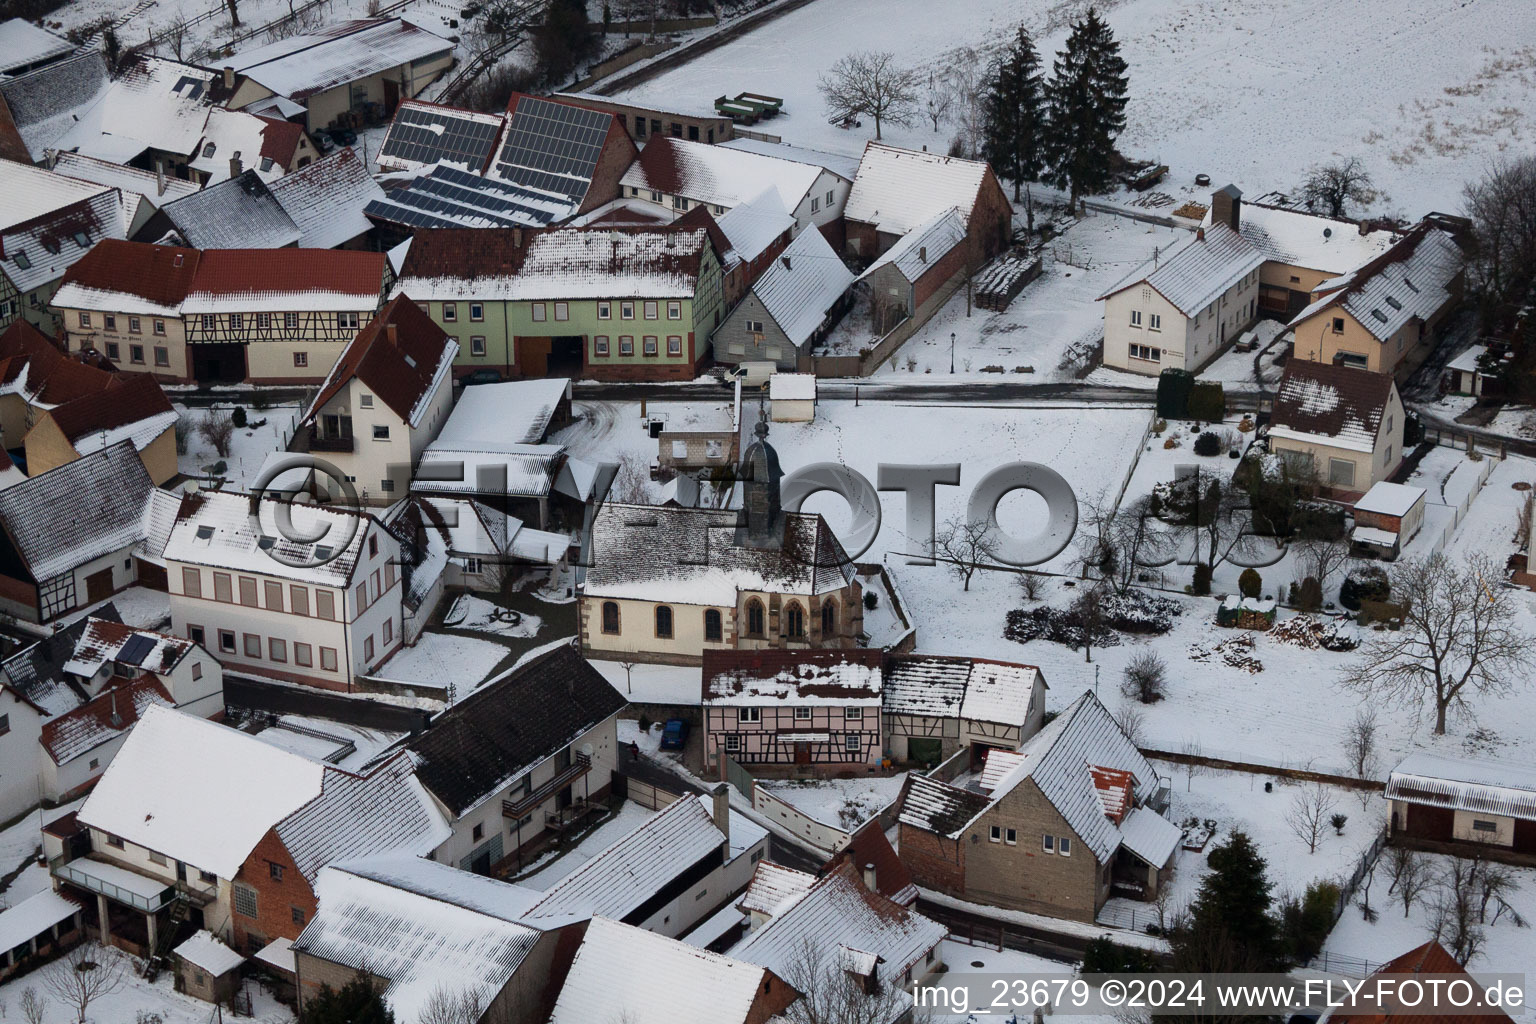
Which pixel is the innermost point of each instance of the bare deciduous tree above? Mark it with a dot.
(830, 994)
(1307, 817)
(1031, 585)
(33, 1006)
(1193, 764)
(1132, 721)
(1360, 749)
(83, 975)
(631, 484)
(967, 82)
(1502, 206)
(1459, 637)
(939, 98)
(218, 429)
(1454, 916)
(1145, 676)
(445, 1006)
(1320, 558)
(1117, 541)
(1410, 876)
(175, 36)
(871, 83)
(1334, 186)
(961, 544)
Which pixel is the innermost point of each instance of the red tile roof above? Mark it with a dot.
(246, 271)
(158, 273)
(137, 398)
(103, 717)
(1115, 786)
(1428, 959)
(280, 140)
(868, 846)
(397, 356)
(51, 376)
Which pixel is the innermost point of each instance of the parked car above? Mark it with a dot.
(323, 142)
(344, 136)
(752, 374)
(674, 735)
(481, 377)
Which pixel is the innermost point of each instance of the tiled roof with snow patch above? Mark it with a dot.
(237, 213)
(32, 192)
(623, 973)
(1412, 280)
(918, 251)
(1484, 785)
(136, 410)
(348, 51)
(771, 885)
(402, 356)
(326, 199)
(215, 529)
(282, 280)
(103, 641)
(1343, 404)
(127, 179)
(23, 44)
(44, 248)
(950, 687)
(129, 277)
(848, 678)
(898, 189)
(715, 175)
(802, 285)
(152, 103)
(938, 807)
(1196, 274)
(104, 717)
(235, 134)
(78, 512)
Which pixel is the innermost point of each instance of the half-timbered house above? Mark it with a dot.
(936, 706)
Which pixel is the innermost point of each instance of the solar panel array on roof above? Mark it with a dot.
(428, 135)
(449, 197)
(553, 146)
(135, 650)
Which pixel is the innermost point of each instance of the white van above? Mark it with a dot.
(752, 374)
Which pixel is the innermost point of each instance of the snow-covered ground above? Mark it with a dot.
(441, 659)
(844, 803)
(249, 447)
(1239, 90)
(481, 616)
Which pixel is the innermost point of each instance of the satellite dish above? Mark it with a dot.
(1327, 232)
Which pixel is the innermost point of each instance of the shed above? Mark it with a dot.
(1441, 802)
(207, 969)
(1387, 518)
(792, 397)
(1465, 375)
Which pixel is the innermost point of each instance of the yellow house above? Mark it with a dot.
(135, 410)
(1345, 424)
(1385, 317)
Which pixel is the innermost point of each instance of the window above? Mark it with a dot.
(389, 630)
(197, 670)
(191, 581)
(328, 659)
(626, 310)
(290, 321)
(368, 647)
(1338, 325)
(247, 591)
(303, 655)
(539, 314)
(277, 649)
(366, 401)
(221, 587)
(477, 833)
(794, 621)
(136, 354)
(252, 645)
(1478, 825)
(195, 634)
(298, 599)
(477, 311)
(754, 327)
(245, 900)
(650, 309)
(829, 618)
(605, 310)
(815, 203)
(852, 744)
(1049, 844)
(1354, 359)
(674, 345)
(301, 359)
(1064, 847)
(732, 744)
(562, 311)
(1135, 318)
(755, 618)
(1011, 836)
(325, 604)
(1386, 456)
(802, 714)
(236, 321)
(626, 345)
(1155, 322)
(5, 724)
(85, 319)
(650, 345)
(610, 617)
(450, 312)
(749, 714)
(852, 714)
(600, 345)
(679, 203)
(663, 622)
(995, 835)
(273, 595)
(1147, 352)
(162, 356)
(477, 344)
(296, 914)
(712, 631)
(264, 321)
(1341, 473)
(160, 327)
(116, 842)
(110, 321)
(362, 595)
(274, 871)
(674, 310)
(112, 351)
(381, 432)
(227, 641)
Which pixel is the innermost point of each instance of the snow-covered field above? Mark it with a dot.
(1252, 91)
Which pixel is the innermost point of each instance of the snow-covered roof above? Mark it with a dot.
(1483, 785)
(422, 134)
(838, 912)
(898, 189)
(541, 546)
(135, 410)
(689, 556)
(804, 283)
(491, 417)
(1342, 406)
(326, 199)
(401, 356)
(624, 973)
(1308, 240)
(198, 791)
(348, 51)
(102, 718)
(23, 44)
(1195, 275)
(473, 527)
(152, 103)
(80, 511)
(157, 190)
(47, 102)
(715, 175)
(1150, 836)
(104, 641)
(918, 251)
(792, 387)
(1389, 499)
(999, 692)
(32, 192)
(1371, 535)
(633, 870)
(236, 213)
(529, 470)
(42, 249)
(771, 885)
(205, 950)
(1466, 361)
(279, 954)
(159, 518)
(755, 224)
(1411, 280)
(848, 678)
(236, 134)
(217, 529)
(421, 943)
(33, 916)
(840, 164)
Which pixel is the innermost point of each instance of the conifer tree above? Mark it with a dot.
(1014, 113)
(1086, 100)
(1230, 927)
(356, 1002)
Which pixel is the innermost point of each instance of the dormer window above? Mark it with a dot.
(266, 543)
(82, 239)
(266, 163)
(205, 533)
(22, 261)
(1392, 301)
(208, 150)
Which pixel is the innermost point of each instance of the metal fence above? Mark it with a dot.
(1362, 867)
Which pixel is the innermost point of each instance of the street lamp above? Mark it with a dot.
(951, 351)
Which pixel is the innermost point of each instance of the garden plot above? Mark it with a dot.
(843, 803)
(265, 432)
(459, 664)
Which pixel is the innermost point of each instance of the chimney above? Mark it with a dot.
(116, 718)
(721, 797)
(1200, 234)
(391, 334)
(869, 877)
(234, 166)
(159, 177)
(1227, 207)
(517, 238)
(229, 77)
(786, 262)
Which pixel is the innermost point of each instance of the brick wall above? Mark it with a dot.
(276, 899)
(934, 862)
(618, 153)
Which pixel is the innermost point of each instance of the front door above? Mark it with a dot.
(802, 753)
(391, 97)
(98, 586)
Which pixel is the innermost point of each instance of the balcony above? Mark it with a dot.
(515, 809)
(325, 443)
(129, 888)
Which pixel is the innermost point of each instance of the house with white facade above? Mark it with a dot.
(383, 402)
(1179, 311)
(294, 591)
